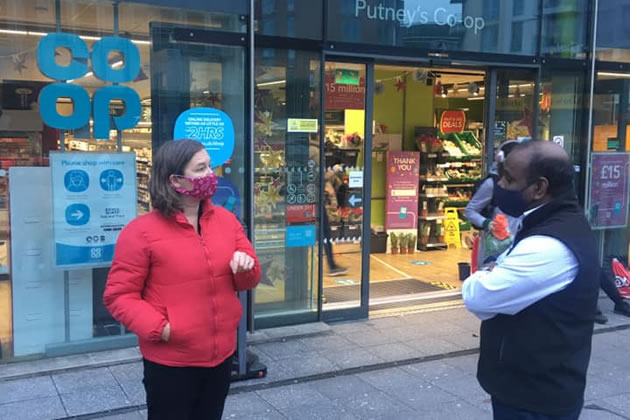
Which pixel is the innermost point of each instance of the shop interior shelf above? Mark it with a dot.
(432, 217)
(466, 158)
(433, 195)
(430, 179)
(464, 184)
(456, 204)
(436, 245)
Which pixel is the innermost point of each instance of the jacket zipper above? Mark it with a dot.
(501, 346)
(212, 298)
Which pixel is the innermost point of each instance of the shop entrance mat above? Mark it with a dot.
(380, 289)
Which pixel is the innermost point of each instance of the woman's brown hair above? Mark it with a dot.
(170, 159)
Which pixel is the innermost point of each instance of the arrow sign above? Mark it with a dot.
(355, 200)
(77, 214)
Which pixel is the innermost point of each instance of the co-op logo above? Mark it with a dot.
(408, 17)
(78, 67)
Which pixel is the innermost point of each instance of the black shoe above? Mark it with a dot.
(600, 318)
(622, 308)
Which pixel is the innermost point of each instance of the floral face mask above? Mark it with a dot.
(203, 188)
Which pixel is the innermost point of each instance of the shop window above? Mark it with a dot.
(607, 206)
(613, 35)
(301, 19)
(286, 184)
(562, 113)
(565, 28)
(517, 37)
(114, 84)
(491, 9)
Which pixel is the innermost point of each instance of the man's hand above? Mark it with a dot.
(166, 332)
(241, 262)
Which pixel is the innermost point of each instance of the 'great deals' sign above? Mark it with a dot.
(452, 121)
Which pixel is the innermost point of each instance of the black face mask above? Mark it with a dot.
(510, 202)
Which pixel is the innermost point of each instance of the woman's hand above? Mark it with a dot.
(241, 262)
(166, 332)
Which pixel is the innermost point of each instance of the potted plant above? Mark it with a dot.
(404, 240)
(424, 234)
(440, 233)
(411, 246)
(394, 242)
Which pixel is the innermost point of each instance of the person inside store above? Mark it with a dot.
(333, 194)
(173, 282)
(537, 302)
(482, 210)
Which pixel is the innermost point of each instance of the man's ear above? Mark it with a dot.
(542, 188)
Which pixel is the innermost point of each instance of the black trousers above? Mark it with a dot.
(501, 411)
(186, 393)
(328, 244)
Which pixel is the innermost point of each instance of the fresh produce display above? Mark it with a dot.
(452, 148)
(429, 144)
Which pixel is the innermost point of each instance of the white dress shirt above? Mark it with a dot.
(535, 268)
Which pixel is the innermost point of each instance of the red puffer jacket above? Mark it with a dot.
(164, 271)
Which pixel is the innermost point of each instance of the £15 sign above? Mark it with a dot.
(126, 71)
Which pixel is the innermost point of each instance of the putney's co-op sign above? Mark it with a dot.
(83, 106)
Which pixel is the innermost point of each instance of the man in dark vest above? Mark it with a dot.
(538, 302)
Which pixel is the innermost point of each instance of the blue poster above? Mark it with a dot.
(227, 196)
(94, 197)
(212, 127)
(299, 236)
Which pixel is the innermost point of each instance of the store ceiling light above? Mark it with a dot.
(277, 82)
(610, 74)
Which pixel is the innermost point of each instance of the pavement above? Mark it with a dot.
(409, 366)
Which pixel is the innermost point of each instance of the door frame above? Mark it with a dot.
(491, 108)
(491, 70)
(362, 310)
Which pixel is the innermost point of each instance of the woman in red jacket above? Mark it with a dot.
(173, 282)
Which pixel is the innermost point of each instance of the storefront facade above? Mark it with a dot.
(86, 85)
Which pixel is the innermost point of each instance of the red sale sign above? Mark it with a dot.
(452, 121)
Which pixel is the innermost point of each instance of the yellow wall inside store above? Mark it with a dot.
(388, 106)
(388, 110)
(354, 122)
(419, 111)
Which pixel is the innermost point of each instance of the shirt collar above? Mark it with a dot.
(528, 212)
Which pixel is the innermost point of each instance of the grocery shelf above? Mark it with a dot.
(432, 217)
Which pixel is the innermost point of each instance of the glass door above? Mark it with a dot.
(199, 81)
(609, 172)
(347, 168)
(513, 107)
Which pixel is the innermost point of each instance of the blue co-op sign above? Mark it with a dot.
(98, 105)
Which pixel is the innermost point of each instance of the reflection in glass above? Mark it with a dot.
(443, 25)
(286, 182)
